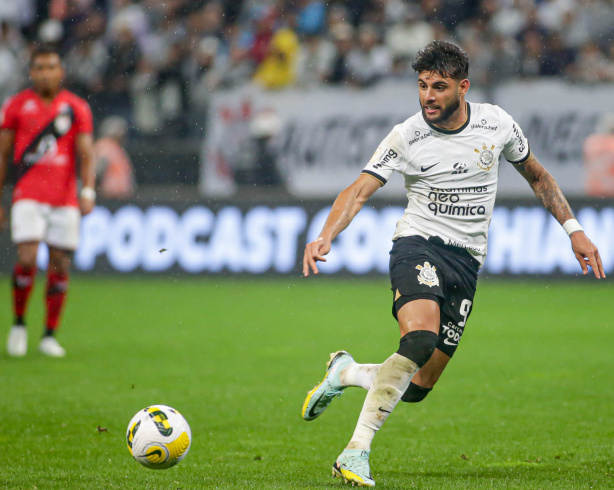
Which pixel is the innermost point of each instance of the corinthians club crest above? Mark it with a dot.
(486, 158)
(428, 275)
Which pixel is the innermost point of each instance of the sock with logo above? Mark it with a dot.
(57, 287)
(23, 281)
(360, 375)
(390, 382)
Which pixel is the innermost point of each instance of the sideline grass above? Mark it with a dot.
(526, 403)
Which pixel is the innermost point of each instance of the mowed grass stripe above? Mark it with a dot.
(526, 402)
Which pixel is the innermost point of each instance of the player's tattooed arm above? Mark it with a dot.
(549, 193)
(546, 189)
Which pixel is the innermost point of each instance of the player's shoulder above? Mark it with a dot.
(414, 129)
(73, 99)
(484, 113)
(15, 105)
(19, 98)
(411, 124)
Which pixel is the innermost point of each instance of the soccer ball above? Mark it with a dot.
(158, 437)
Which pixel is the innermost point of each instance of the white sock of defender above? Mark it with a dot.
(390, 382)
(360, 375)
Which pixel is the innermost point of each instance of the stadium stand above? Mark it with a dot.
(156, 63)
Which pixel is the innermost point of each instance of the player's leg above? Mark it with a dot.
(361, 376)
(419, 321)
(27, 230)
(57, 287)
(55, 295)
(62, 237)
(23, 277)
(460, 284)
(423, 381)
(416, 279)
(419, 328)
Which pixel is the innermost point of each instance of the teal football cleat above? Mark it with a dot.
(353, 466)
(320, 397)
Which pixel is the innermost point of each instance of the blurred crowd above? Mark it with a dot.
(156, 62)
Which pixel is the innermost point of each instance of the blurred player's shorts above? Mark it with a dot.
(32, 221)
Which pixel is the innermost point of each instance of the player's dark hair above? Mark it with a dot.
(42, 50)
(444, 58)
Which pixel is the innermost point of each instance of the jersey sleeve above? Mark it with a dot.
(516, 146)
(8, 115)
(83, 118)
(388, 157)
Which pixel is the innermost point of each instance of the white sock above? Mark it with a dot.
(360, 375)
(389, 384)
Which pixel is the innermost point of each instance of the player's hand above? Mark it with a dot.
(86, 205)
(587, 254)
(314, 252)
(4, 222)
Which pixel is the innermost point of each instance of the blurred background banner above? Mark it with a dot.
(557, 118)
(253, 239)
(316, 142)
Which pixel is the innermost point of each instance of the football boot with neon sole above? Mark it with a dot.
(353, 466)
(321, 396)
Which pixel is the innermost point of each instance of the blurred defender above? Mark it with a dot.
(449, 156)
(47, 128)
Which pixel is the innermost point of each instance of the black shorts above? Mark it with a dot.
(429, 269)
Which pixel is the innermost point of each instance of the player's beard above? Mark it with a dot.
(445, 112)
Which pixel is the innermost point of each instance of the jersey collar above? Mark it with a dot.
(40, 99)
(454, 131)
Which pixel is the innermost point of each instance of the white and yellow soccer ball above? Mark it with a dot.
(158, 437)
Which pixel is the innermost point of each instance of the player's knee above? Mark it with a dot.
(26, 257)
(418, 346)
(415, 393)
(59, 261)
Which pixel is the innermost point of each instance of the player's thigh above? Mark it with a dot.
(461, 282)
(63, 228)
(416, 284)
(429, 374)
(419, 314)
(29, 220)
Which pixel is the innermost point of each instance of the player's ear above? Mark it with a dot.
(463, 86)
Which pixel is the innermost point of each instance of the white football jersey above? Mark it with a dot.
(450, 176)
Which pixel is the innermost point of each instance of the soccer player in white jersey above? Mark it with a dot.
(448, 154)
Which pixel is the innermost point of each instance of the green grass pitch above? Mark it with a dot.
(528, 401)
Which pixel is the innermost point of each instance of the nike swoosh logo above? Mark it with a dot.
(382, 410)
(424, 169)
(447, 342)
(152, 453)
(311, 412)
